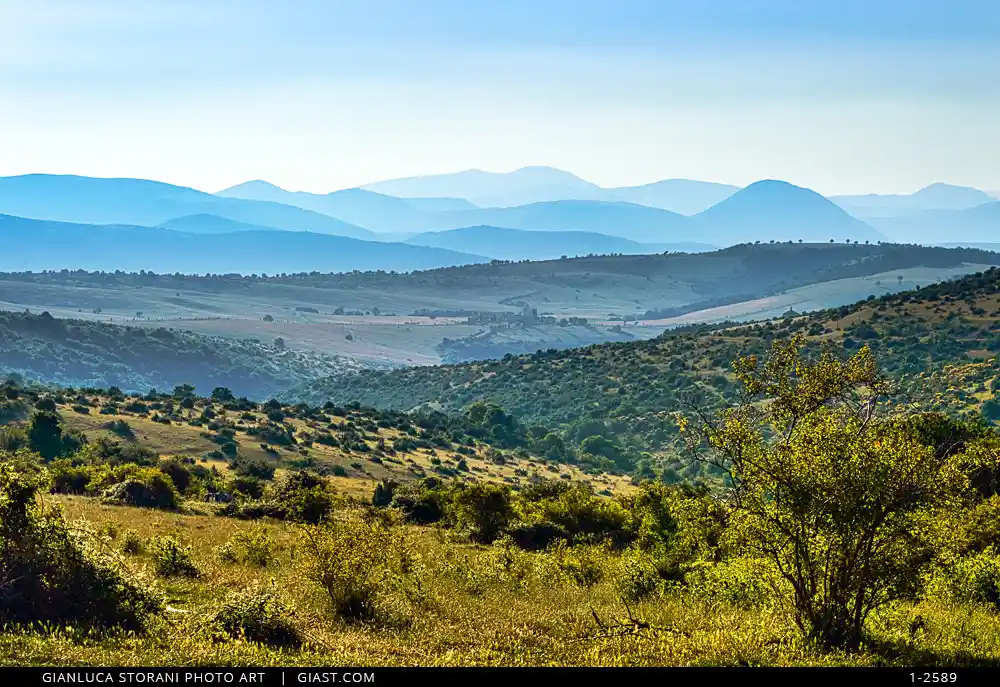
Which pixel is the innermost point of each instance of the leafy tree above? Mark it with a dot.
(221, 394)
(46, 436)
(830, 484)
(484, 509)
(182, 391)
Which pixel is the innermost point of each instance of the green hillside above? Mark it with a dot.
(95, 354)
(624, 391)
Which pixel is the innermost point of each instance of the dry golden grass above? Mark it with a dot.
(482, 606)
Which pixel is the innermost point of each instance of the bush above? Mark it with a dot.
(422, 504)
(248, 486)
(254, 546)
(304, 497)
(976, 579)
(637, 576)
(584, 565)
(259, 616)
(484, 510)
(148, 489)
(172, 558)
(48, 574)
(350, 561)
(131, 543)
(253, 467)
(742, 582)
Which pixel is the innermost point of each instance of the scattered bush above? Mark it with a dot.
(257, 615)
(350, 561)
(254, 546)
(171, 558)
(131, 543)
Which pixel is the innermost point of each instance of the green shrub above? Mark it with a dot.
(484, 509)
(304, 497)
(254, 546)
(584, 565)
(50, 574)
(637, 576)
(131, 543)
(171, 558)
(259, 616)
(350, 561)
(149, 488)
(248, 486)
(976, 578)
(742, 582)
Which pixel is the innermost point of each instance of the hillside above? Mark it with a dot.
(779, 211)
(683, 196)
(375, 211)
(492, 189)
(88, 353)
(38, 245)
(518, 244)
(209, 224)
(934, 197)
(588, 286)
(90, 200)
(626, 390)
(979, 224)
(625, 220)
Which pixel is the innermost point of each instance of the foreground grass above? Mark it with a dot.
(474, 606)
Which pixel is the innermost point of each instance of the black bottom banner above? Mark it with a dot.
(517, 677)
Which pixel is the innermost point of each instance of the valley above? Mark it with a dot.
(487, 311)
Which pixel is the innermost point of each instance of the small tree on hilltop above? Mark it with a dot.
(831, 484)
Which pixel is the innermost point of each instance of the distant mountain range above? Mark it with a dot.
(976, 224)
(517, 244)
(491, 189)
(37, 245)
(671, 215)
(90, 200)
(368, 209)
(542, 184)
(933, 197)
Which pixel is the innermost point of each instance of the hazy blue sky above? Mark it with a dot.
(842, 96)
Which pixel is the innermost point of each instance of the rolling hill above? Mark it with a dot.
(374, 211)
(43, 245)
(626, 391)
(210, 224)
(683, 196)
(90, 200)
(979, 224)
(97, 354)
(934, 197)
(626, 220)
(779, 211)
(492, 189)
(518, 244)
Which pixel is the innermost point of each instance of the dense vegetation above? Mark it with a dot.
(852, 529)
(621, 391)
(97, 354)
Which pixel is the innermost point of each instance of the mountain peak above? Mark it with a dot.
(774, 209)
(255, 185)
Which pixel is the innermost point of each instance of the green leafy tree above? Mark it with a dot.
(830, 484)
(484, 509)
(46, 436)
(221, 394)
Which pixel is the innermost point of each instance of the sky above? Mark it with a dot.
(842, 96)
